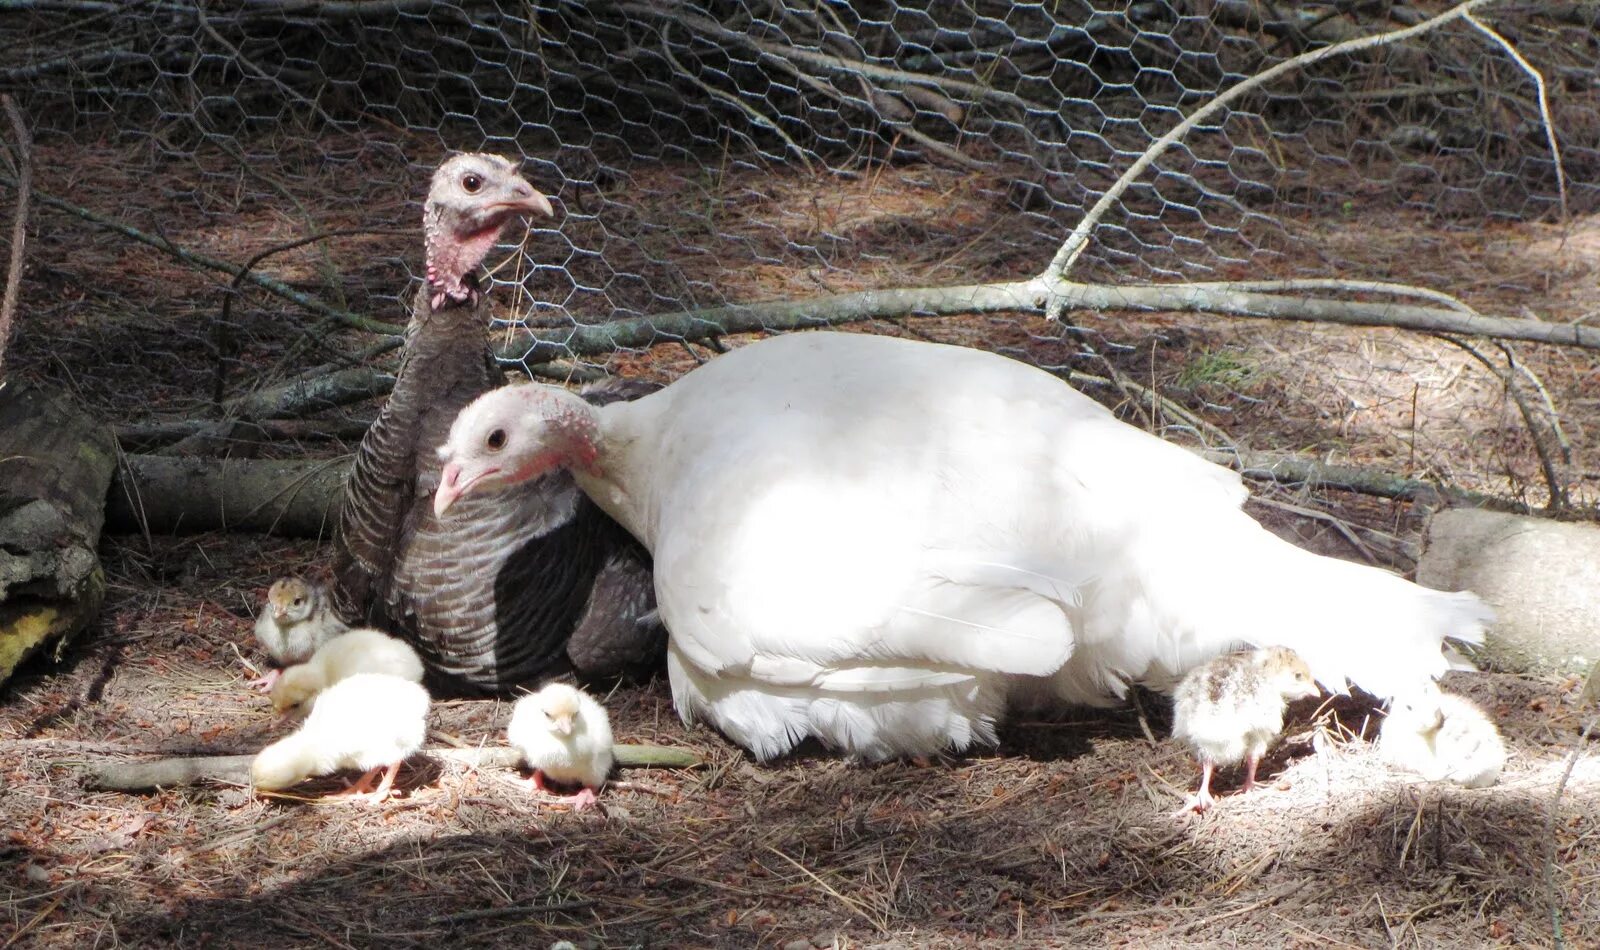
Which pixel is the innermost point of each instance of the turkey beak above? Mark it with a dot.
(563, 725)
(525, 199)
(452, 486)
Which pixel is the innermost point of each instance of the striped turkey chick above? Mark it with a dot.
(1231, 708)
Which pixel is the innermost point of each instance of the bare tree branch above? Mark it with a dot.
(536, 346)
(1079, 239)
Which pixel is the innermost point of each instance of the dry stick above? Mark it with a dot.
(1333, 283)
(538, 346)
(122, 775)
(1550, 833)
(1544, 103)
(751, 112)
(22, 148)
(1078, 240)
(1547, 463)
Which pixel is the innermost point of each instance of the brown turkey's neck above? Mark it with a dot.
(453, 256)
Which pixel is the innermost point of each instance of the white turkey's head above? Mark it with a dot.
(558, 704)
(512, 435)
(472, 198)
(1418, 709)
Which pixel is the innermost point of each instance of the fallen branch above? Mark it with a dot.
(538, 346)
(123, 775)
(165, 495)
(22, 149)
(1292, 470)
(161, 494)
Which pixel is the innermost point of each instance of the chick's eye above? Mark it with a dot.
(496, 440)
(299, 600)
(471, 183)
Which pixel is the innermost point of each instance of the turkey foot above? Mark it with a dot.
(362, 790)
(584, 798)
(265, 682)
(1200, 801)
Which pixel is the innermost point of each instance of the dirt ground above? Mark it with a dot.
(1065, 834)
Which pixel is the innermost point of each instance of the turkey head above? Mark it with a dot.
(472, 198)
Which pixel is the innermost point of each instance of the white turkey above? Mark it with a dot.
(296, 619)
(564, 735)
(370, 721)
(873, 541)
(504, 589)
(358, 651)
(1230, 709)
(1441, 735)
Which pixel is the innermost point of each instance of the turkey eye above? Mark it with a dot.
(496, 440)
(471, 183)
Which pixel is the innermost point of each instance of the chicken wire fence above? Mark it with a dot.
(710, 154)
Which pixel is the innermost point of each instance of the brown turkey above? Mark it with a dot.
(504, 590)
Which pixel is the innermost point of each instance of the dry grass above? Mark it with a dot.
(1064, 834)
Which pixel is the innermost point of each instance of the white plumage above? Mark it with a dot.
(874, 541)
(370, 721)
(358, 651)
(564, 735)
(1442, 735)
(296, 619)
(1231, 708)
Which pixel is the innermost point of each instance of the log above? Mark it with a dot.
(122, 775)
(1542, 578)
(171, 495)
(55, 464)
(301, 498)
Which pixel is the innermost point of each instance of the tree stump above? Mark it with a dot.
(55, 467)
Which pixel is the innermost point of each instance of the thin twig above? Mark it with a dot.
(1345, 286)
(1550, 834)
(22, 148)
(751, 112)
(225, 319)
(1078, 240)
(1553, 477)
(1544, 104)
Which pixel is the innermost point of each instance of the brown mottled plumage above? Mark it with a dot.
(490, 595)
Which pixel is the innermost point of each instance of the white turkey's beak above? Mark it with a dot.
(562, 724)
(451, 486)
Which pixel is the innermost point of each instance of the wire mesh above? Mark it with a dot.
(713, 153)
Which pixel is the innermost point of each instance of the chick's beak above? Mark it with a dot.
(563, 725)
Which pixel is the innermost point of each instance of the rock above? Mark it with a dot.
(1542, 578)
(55, 466)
